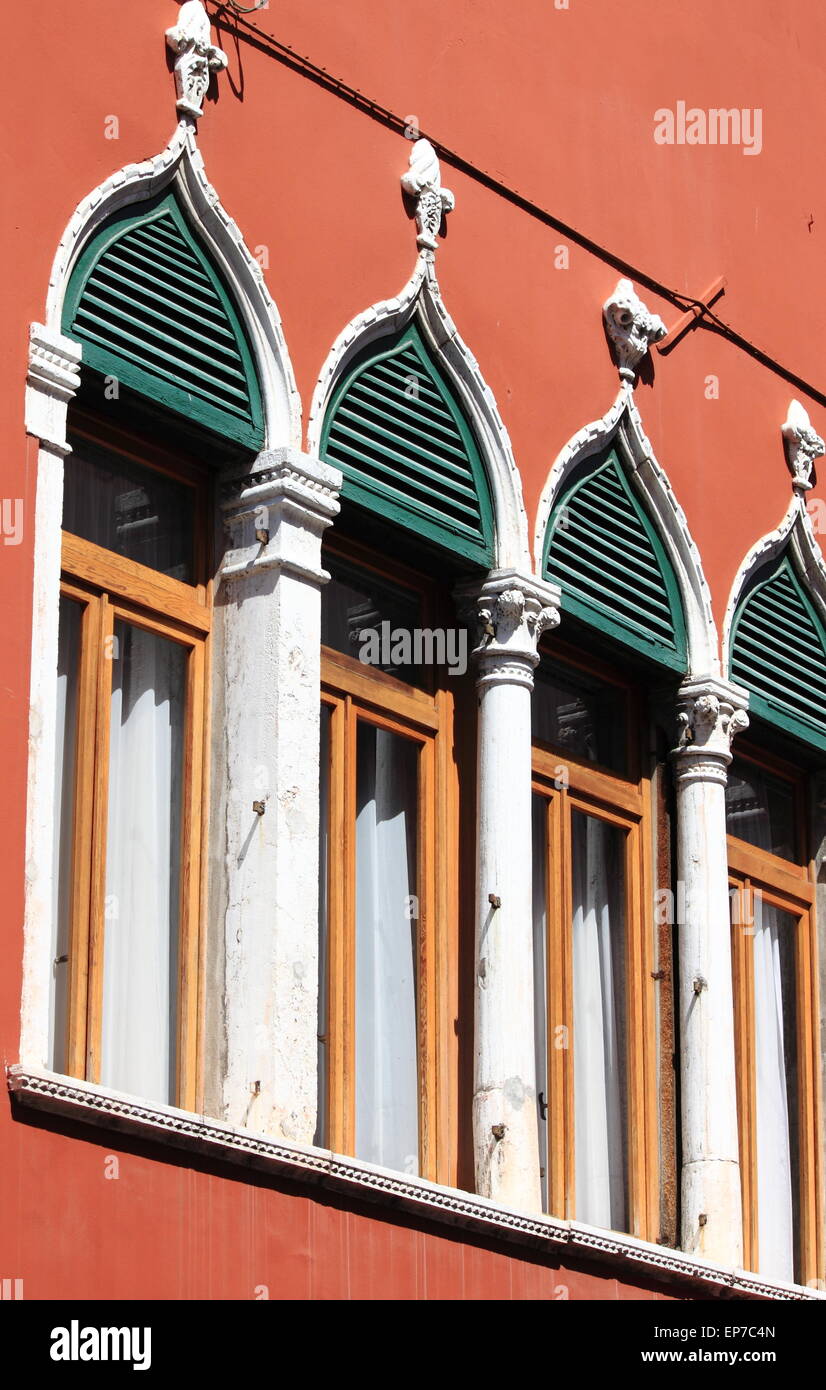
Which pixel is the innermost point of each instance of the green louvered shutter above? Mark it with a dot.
(611, 566)
(151, 309)
(398, 435)
(778, 652)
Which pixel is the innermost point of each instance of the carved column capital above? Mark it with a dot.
(803, 446)
(709, 714)
(196, 57)
(510, 611)
(275, 515)
(423, 181)
(631, 328)
(52, 380)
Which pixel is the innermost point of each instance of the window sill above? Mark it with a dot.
(80, 1100)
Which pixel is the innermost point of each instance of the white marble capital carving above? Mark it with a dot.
(196, 57)
(631, 328)
(709, 714)
(803, 445)
(423, 181)
(511, 611)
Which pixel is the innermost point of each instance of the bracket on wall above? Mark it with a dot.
(697, 310)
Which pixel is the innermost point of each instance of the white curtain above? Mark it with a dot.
(64, 786)
(749, 808)
(143, 864)
(387, 1088)
(775, 1206)
(598, 985)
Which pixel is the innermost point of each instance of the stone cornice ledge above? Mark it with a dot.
(80, 1100)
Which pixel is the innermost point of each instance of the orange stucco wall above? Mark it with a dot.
(558, 104)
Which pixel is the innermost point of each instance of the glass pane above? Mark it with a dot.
(116, 503)
(68, 668)
(323, 924)
(357, 604)
(760, 809)
(387, 1086)
(143, 870)
(775, 1019)
(600, 1138)
(540, 980)
(580, 715)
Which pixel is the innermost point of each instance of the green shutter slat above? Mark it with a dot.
(378, 407)
(122, 285)
(612, 568)
(410, 448)
(104, 303)
(154, 355)
(412, 458)
(778, 652)
(601, 559)
(153, 311)
(387, 468)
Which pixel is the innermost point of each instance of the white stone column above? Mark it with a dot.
(52, 381)
(512, 611)
(710, 712)
(267, 687)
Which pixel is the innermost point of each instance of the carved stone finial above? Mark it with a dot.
(423, 181)
(196, 57)
(803, 446)
(631, 328)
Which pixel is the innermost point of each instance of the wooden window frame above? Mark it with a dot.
(623, 801)
(109, 587)
(358, 693)
(791, 887)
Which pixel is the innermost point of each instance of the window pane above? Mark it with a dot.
(387, 1086)
(580, 715)
(116, 503)
(600, 1141)
(355, 602)
(760, 809)
(540, 980)
(143, 851)
(323, 925)
(68, 667)
(778, 1174)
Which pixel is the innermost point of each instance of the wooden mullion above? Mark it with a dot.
(190, 881)
(134, 583)
(82, 862)
(445, 936)
(635, 1043)
(807, 1076)
(378, 691)
(427, 1047)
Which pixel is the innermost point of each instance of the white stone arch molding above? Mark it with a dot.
(623, 426)
(795, 532)
(181, 166)
(52, 381)
(421, 299)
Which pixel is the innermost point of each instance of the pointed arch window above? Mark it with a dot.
(604, 552)
(601, 841)
(778, 652)
(397, 431)
(152, 311)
